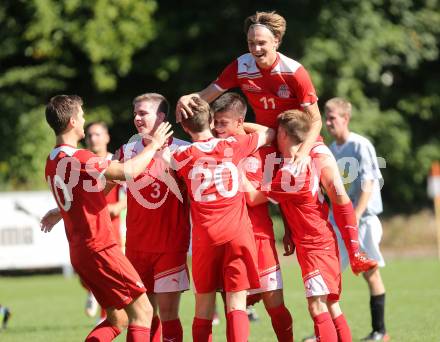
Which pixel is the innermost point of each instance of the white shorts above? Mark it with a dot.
(370, 235)
(269, 282)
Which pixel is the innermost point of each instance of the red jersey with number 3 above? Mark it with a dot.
(210, 169)
(72, 175)
(285, 85)
(157, 219)
(304, 207)
(260, 168)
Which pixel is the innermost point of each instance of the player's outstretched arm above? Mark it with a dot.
(265, 134)
(183, 109)
(135, 166)
(50, 219)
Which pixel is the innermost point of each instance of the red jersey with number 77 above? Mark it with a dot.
(285, 85)
(74, 177)
(210, 169)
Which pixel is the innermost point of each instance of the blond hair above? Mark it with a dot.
(340, 103)
(272, 20)
(154, 97)
(296, 123)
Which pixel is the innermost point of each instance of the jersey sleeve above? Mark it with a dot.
(228, 77)
(369, 167)
(303, 87)
(90, 163)
(248, 144)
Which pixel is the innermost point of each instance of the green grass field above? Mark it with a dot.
(50, 308)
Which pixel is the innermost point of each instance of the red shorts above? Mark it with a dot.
(161, 272)
(109, 275)
(231, 266)
(268, 266)
(321, 274)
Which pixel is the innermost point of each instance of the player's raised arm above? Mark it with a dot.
(135, 166)
(183, 106)
(265, 134)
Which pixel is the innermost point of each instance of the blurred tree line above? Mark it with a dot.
(383, 55)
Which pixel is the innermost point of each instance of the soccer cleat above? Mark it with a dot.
(360, 263)
(252, 314)
(91, 305)
(376, 336)
(215, 319)
(311, 338)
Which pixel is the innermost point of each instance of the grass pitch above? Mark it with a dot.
(51, 308)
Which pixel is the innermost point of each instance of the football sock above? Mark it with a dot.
(346, 221)
(377, 307)
(156, 330)
(324, 328)
(282, 323)
(238, 325)
(202, 330)
(103, 332)
(136, 333)
(172, 330)
(342, 329)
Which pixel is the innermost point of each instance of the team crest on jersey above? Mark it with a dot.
(283, 91)
(251, 87)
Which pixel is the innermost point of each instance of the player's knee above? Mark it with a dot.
(316, 306)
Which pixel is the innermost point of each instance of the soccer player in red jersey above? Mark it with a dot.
(304, 206)
(271, 81)
(223, 247)
(229, 113)
(76, 178)
(97, 139)
(158, 227)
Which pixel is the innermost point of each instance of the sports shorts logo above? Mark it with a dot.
(283, 91)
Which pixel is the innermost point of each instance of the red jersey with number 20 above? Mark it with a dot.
(210, 169)
(304, 207)
(72, 176)
(285, 85)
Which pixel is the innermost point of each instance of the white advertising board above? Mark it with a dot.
(22, 244)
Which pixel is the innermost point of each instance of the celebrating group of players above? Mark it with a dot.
(213, 191)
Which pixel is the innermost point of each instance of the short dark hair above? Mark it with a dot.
(97, 123)
(60, 109)
(202, 116)
(163, 107)
(296, 123)
(230, 102)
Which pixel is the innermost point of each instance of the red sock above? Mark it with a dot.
(238, 325)
(172, 330)
(282, 323)
(325, 330)
(103, 332)
(156, 330)
(202, 330)
(342, 329)
(345, 219)
(136, 333)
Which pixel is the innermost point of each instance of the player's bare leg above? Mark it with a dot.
(140, 314)
(202, 324)
(168, 304)
(324, 327)
(342, 328)
(236, 316)
(156, 325)
(111, 327)
(280, 316)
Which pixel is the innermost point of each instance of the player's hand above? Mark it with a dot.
(289, 246)
(183, 109)
(49, 220)
(301, 163)
(161, 135)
